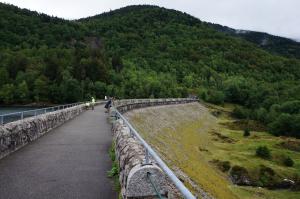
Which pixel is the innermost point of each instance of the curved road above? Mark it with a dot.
(69, 162)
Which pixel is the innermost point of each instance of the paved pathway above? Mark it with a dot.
(69, 162)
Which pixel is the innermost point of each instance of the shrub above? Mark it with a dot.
(246, 132)
(291, 107)
(267, 177)
(115, 167)
(261, 114)
(240, 112)
(240, 176)
(286, 124)
(202, 95)
(225, 166)
(263, 152)
(289, 162)
(216, 97)
(281, 125)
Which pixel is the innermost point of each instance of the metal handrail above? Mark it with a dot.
(153, 185)
(149, 151)
(35, 112)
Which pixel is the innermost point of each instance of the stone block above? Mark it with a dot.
(139, 184)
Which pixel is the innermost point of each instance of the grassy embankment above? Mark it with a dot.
(189, 138)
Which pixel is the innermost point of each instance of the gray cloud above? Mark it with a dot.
(278, 17)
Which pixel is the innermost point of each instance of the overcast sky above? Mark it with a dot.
(278, 17)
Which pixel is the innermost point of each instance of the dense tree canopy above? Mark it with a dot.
(144, 51)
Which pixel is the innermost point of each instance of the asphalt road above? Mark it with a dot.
(69, 162)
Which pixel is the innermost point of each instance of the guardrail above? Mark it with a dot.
(118, 103)
(149, 151)
(11, 117)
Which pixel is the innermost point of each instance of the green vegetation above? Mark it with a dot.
(263, 152)
(246, 132)
(288, 161)
(48, 60)
(141, 52)
(210, 152)
(274, 44)
(114, 172)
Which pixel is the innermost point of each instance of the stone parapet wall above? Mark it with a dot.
(127, 105)
(131, 156)
(17, 134)
(133, 170)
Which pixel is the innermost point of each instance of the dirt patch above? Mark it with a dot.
(202, 149)
(241, 125)
(292, 145)
(222, 138)
(216, 113)
(224, 166)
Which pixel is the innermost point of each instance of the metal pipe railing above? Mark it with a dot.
(149, 151)
(32, 113)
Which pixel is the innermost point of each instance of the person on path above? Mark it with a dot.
(108, 104)
(93, 103)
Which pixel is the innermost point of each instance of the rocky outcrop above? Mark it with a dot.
(17, 134)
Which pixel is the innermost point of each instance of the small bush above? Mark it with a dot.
(240, 112)
(203, 95)
(115, 170)
(225, 166)
(263, 152)
(112, 153)
(289, 162)
(216, 97)
(246, 132)
(267, 177)
(296, 186)
(240, 176)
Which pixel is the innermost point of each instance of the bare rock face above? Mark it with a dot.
(16, 134)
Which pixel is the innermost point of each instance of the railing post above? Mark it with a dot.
(22, 115)
(2, 120)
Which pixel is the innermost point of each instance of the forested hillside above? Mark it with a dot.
(144, 51)
(47, 59)
(274, 44)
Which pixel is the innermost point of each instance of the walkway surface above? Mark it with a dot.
(69, 162)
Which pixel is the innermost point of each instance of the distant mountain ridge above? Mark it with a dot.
(275, 44)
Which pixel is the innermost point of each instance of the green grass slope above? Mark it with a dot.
(198, 143)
